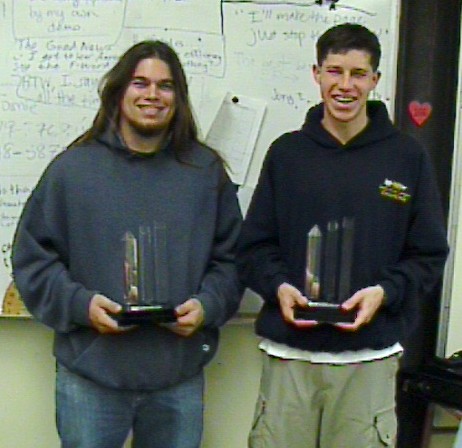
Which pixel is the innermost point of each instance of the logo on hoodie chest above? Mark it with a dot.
(394, 191)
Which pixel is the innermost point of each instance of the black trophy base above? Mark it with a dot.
(142, 314)
(324, 313)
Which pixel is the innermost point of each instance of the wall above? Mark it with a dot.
(27, 387)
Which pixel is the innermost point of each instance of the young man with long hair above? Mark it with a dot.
(140, 163)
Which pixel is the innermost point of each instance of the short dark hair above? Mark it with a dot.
(349, 36)
(115, 82)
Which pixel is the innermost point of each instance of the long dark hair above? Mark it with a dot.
(115, 82)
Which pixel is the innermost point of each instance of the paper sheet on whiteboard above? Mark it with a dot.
(234, 132)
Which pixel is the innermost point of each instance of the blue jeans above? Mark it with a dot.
(91, 416)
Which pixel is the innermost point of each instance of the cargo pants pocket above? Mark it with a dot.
(386, 426)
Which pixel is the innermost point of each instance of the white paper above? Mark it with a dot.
(234, 132)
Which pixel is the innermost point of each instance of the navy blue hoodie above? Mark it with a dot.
(309, 178)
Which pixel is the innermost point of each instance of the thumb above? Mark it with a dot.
(185, 307)
(192, 307)
(107, 304)
(353, 301)
(300, 300)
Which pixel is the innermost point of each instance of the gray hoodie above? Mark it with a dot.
(69, 246)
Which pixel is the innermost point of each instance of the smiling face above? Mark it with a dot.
(346, 80)
(148, 104)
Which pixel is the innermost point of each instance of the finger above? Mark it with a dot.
(359, 321)
(353, 301)
(302, 323)
(301, 300)
(100, 302)
(180, 329)
(193, 321)
(365, 315)
(187, 319)
(182, 309)
(105, 324)
(347, 327)
(110, 305)
(287, 312)
(188, 306)
(108, 321)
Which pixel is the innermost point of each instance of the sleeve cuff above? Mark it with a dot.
(80, 307)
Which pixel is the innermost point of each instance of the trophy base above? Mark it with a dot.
(324, 313)
(142, 314)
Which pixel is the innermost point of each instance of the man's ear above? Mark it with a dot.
(316, 72)
(377, 76)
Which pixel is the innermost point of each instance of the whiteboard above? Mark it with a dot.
(54, 53)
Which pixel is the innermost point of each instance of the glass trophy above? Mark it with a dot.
(145, 277)
(329, 259)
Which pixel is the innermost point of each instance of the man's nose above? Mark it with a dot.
(153, 90)
(345, 81)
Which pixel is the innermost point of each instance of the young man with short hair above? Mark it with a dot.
(332, 385)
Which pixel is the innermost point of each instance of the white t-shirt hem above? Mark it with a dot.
(283, 351)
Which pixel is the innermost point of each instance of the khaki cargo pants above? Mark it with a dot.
(305, 405)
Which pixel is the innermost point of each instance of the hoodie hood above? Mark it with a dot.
(114, 141)
(379, 127)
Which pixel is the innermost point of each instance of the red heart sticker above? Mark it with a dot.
(419, 112)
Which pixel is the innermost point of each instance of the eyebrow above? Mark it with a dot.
(145, 78)
(358, 69)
